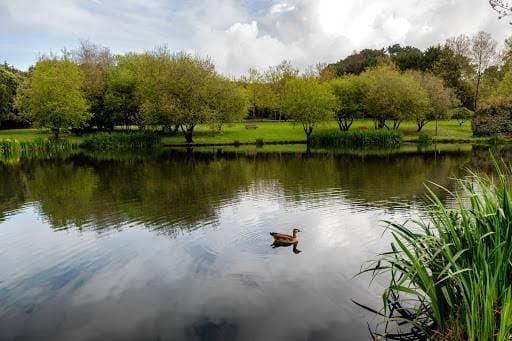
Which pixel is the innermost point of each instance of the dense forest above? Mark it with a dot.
(91, 88)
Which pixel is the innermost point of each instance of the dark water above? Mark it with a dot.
(176, 246)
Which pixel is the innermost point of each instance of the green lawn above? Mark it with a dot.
(448, 131)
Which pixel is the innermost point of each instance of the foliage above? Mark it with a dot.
(95, 63)
(452, 272)
(358, 62)
(504, 88)
(494, 116)
(308, 102)
(424, 139)
(40, 146)
(461, 114)
(121, 141)
(391, 95)
(349, 91)
(440, 99)
(121, 103)
(357, 138)
(482, 52)
(52, 96)
(10, 79)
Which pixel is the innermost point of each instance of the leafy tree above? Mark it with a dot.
(392, 96)
(407, 57)
(440, 99)
(52, 95)
(482, 52)
(455, 69)
(349, 91)
(308, 102)
(95, 62)
(504, 88)
(229, 103)
(260, 94)
(358, 62)
(121, 103)
(10, 78)
(276, 77)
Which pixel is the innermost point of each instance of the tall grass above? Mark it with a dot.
(357, 138)
(121, 141)
(451, 274)
(50, 146)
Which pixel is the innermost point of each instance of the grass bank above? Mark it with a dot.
(357, 138)
(450, 274)
(276, 132)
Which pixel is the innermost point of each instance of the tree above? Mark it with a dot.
(407, 57)
(349, 91)
(482, 52)
(505, 86)
(229, 103)
(308, 102)
(121, 103)
(455, 69)
(390, 95)
(52, 95)
(276, 77)
(503, 8)
(260, 93)
(358, 62)
(10, 79)
(440, 99)
(95, 62)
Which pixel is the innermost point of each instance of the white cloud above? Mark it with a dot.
(239, 34)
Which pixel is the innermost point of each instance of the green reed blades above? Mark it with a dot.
(357, 138)
(451, 275)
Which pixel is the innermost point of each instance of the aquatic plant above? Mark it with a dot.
(451, 274)
(355, 138)
(121, 141)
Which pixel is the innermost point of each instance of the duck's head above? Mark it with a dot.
(295, 230)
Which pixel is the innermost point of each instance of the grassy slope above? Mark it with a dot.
(273, 132)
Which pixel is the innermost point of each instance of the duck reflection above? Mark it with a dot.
(280, 244)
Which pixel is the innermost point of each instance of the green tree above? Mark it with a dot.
(358, 62)
(230, 103)
(349, 91)
(440, 99)
(391, 95)
(121, 102)
(276, 77)
(505, 86)
(308, 102)
(95, 62)
(52, 96)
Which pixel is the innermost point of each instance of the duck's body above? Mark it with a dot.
(282, 238)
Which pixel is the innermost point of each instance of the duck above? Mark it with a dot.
(282, 238)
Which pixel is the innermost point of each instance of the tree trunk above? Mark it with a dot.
(308, 132)
(420, 124)
(56, 132)
(188, 132)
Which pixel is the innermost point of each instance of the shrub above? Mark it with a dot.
(357, 138)
(259, 142)
(120, 141)
(450, 275)
(424, 139)
(236, 143)
(493, 117)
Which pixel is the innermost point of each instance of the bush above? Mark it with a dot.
(37, 148)
(353, 138)
(424, 139)
(259, 143)
(119, 141)
(493, 117)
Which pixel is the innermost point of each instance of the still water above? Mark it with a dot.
(176, 246)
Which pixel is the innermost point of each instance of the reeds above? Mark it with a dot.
(451, 274)
(355, 138)
(121, 141)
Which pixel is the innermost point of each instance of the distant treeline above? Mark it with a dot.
(90, 88)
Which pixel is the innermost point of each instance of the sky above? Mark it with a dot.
(242, 34)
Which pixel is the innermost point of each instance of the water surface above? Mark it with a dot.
(176, 245)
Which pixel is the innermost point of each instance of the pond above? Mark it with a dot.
(176, 245)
